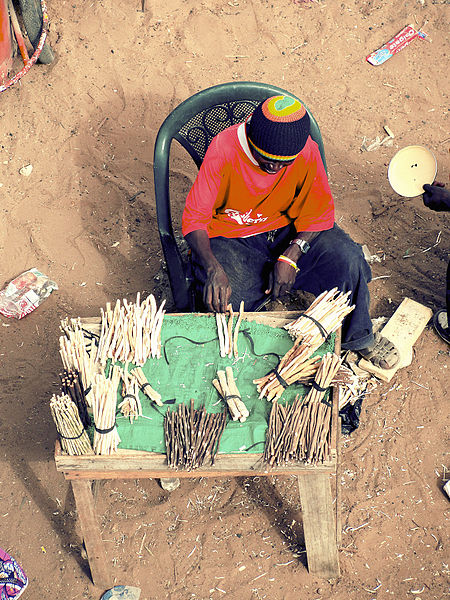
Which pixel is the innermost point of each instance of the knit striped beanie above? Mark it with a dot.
(278, 128)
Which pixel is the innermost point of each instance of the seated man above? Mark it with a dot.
(259, 220)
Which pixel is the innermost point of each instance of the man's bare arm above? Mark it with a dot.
(217, 289)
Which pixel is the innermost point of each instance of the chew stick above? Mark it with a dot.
(236, 330)
(230, 330)
(145, 386)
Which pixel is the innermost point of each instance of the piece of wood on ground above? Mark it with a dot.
(319, 526)
(403, 329)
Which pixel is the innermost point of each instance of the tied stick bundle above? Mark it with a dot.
(294, 367)
(130, 405)
(72, 386)
(227, 388)
(74, 439)
(329, 310)
(192, 435)
(227, 337)
(145, 387)
(131, 332)
(302, 432)
(310, 330)
(74, 355)
(104, 399)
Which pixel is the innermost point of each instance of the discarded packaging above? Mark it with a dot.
(25, 293)
(397, 43)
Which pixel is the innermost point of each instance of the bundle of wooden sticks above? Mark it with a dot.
(72, 386)
(302, 431)
(228, 390)
(310, 330)
(74, 439)
(192, 435)
(74, 354)
(131, 332)
(324, 316)
(104, 399)
(228, 338)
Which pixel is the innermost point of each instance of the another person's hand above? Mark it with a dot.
(217, 290)
(281, 279)
(436, 197)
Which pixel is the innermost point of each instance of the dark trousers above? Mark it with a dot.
(334, 260)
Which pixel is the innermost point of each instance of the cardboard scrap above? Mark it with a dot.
(403, 329)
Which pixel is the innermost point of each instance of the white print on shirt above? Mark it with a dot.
(244, 218)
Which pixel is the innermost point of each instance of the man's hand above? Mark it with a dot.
(281, 279)
(217, 290)
(436, 197)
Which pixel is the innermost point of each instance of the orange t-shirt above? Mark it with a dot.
(233, 197)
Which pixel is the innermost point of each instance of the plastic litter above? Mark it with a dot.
(25, 293)
(122, 592)
(13, 580)
(350, 416)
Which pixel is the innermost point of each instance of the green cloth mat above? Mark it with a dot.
(189, 374)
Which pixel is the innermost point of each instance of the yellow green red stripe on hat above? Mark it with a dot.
(284, 109)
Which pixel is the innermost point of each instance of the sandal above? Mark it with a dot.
(440, 324)
(382, 353)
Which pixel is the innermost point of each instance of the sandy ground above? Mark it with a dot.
(87, 124)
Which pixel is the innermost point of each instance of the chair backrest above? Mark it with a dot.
(193, 124)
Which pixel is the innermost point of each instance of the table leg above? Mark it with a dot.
(84, 500)
(319, 524)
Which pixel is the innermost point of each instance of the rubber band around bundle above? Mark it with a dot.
(317, 387)
(230, 396)
(283, 382)
(322, 329)
(104, 431)
(77, 437)
(129, 396)
(145, 385)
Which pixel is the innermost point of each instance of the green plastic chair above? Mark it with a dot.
(193, 124)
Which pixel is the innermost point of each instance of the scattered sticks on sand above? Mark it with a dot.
(192, 436)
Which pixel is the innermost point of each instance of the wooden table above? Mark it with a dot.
(319, 518)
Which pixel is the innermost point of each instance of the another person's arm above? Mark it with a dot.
(436, 197)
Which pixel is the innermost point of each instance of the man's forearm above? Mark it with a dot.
(198, 242)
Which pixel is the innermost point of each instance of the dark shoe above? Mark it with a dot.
(440, 324)
(382, 353)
